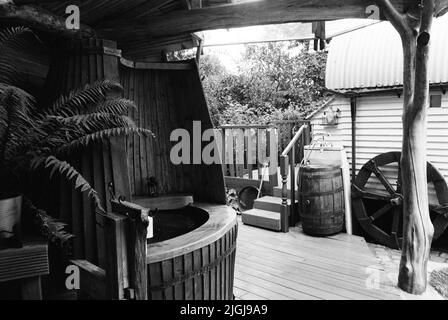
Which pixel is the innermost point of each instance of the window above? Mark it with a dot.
(435, 101)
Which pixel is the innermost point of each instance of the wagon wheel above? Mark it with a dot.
(390, 212)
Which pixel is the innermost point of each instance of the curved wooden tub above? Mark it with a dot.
(198, 265)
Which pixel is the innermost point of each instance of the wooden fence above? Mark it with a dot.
(247, 148)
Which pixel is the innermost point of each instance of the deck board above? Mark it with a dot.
(272, 265)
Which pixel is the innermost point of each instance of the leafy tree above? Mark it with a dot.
(275, 81)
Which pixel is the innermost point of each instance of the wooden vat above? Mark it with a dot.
(321, 200)
(198, 265)
(168, 99)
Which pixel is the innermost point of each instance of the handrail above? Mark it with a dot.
(294, 140)
(286, 211)
(289, 121)
(245, 126)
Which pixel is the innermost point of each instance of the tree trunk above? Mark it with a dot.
(418, 230)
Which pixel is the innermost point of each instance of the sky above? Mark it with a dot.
(218, 42)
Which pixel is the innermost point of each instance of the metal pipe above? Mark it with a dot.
(353, 111)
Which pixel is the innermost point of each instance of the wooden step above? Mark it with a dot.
(269, 203)
(277, 192)
(262, 218)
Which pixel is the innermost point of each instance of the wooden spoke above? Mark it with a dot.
(384, 181)
(381, 212)
(376, 196)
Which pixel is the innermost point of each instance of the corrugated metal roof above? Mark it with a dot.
(373, 58)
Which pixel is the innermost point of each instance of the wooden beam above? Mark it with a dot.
(146, 7)
(155, 65)
(244, 14)
(40, 19)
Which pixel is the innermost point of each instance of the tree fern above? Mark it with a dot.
(33, 136)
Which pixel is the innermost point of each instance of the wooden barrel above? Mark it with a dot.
(321, 199)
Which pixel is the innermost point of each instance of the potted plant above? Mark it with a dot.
(33, 137)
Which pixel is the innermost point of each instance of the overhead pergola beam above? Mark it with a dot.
(245, 14)
(39, 19)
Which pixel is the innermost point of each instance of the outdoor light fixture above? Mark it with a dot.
(331, 116)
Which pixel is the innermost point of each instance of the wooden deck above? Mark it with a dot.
(284, 266)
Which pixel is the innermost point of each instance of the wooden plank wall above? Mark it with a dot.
(73, 65)
(167, 100)
(379, 130)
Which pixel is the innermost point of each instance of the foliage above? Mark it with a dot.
(33, 136)
(275, 81)
(439, 280)
(12, 41)
(232, 200)
(52, 229)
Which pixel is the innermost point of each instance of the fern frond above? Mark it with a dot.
(99, 121)
(103, 135)
(80, 101)
(67, 130)
(15, 123)
(72, 175)
(53, 229)
(11, 37)
(116, 106)
(12, 42)
(16, 98)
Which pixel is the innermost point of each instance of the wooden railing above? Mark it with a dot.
(244, 167)
(289, 212)
(286, 130)
(240, 172)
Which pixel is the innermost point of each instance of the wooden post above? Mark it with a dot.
(284, 212)
(137, 231)
(292, 179)
(414, 28)
(116, 254)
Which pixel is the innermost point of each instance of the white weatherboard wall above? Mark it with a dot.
(379, 130)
